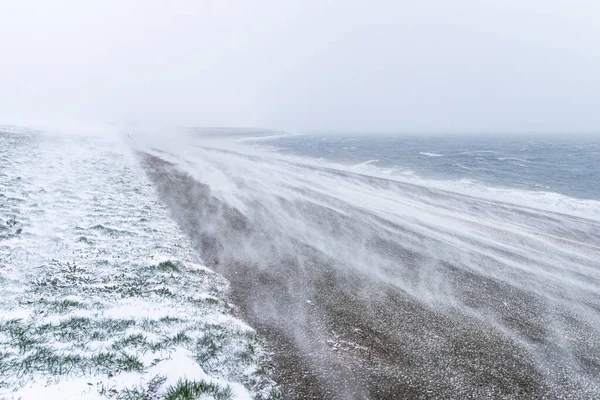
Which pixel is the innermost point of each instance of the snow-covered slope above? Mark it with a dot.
(100, 293)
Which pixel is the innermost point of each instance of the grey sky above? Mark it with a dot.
(427, 65)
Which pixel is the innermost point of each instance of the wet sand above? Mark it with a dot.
(337, 333)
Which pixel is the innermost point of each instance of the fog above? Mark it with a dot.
(428, 66)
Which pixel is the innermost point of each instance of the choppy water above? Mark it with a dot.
(566, 165)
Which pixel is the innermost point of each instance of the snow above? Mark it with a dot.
(100, 292)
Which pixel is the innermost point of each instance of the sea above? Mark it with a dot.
(568, 165)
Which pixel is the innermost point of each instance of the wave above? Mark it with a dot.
(365, 163)
(430, 154)
(513, 159)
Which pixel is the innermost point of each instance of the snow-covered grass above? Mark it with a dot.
(101, 295)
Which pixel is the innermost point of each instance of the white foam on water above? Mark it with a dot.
(362, 164)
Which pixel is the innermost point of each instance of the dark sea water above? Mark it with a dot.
(565, 165)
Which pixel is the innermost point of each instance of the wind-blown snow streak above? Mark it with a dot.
(100, 293)
(529, 272)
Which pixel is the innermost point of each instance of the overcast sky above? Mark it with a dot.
(405, 66)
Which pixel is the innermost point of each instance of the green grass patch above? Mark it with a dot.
(115, 325)
(169, 266)
(133, 340)
(207, 348)
(164, 292)
(46, 284)
(83, 239)
(113, 362)
(104, 361)
(180, 338)
(21, 336)
(127, 362)
(134, 393)
(57, 306)
(170, 320)
(66, 305)
(191, 390)
(44, 359)
(72, 329)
